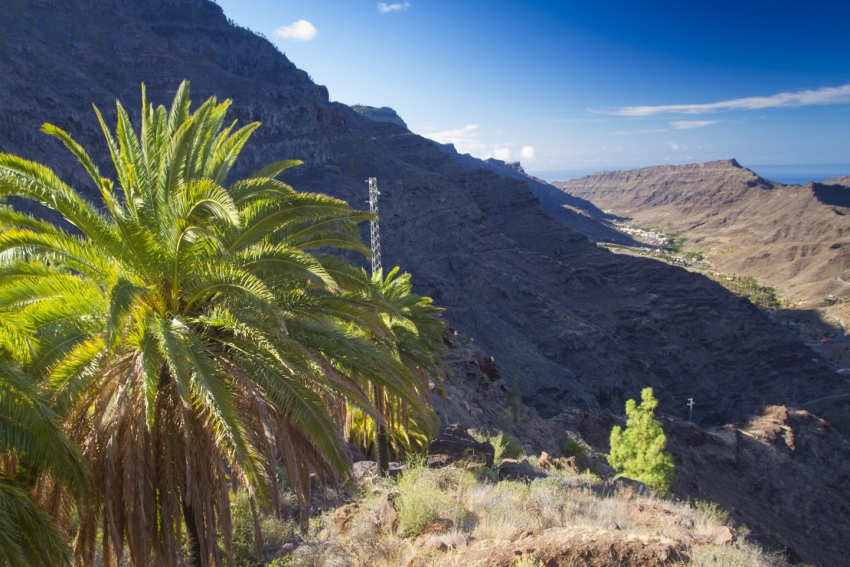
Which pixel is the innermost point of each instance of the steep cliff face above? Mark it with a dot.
(575, 324)
(793, 237)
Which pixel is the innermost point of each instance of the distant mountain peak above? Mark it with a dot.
(382, 114)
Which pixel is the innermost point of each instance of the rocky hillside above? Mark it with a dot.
(576, 325)
(795, 238)
(781, 472)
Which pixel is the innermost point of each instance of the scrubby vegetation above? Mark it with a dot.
(762, 296)
(445, 516)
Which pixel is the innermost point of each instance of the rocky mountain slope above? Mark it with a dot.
(782, 472)
(795, 238)
(843, 180)
(576, 325)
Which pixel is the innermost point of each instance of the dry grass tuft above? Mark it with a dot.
(483, 512)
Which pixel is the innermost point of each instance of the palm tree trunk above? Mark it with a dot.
(382, 450)
(192, 536)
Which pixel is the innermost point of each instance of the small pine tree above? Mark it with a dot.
(638, 451)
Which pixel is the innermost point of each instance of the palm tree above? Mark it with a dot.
(38, 464)
(417, 342)
(192, 332)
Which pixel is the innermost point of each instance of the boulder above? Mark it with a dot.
(722, 536)
(343, 517)
(363, 469)
(438, 527)
(354, 453)
(511, 469)
(547, 461)
(456, 444)
(386, 517)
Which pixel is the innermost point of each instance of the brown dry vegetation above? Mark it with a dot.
(454, 516)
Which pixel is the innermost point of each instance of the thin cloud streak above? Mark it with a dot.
(385, 8)
(689, 124)
(826, 95)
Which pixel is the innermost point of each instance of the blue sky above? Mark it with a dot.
(585, 85)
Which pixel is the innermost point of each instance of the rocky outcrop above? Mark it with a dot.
(518, 471)
(383, 114)
(361, 469)
(454, 444)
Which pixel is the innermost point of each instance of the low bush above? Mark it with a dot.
(506, 446)
(573, 448)
(275, 533)
(711, 511)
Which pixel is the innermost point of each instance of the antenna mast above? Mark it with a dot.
(373, 225)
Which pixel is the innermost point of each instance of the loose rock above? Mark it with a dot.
(456, 444)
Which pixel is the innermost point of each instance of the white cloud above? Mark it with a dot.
(527, 152)
(826, 95)
(653, 131)
(397, 7)
(688, 124)
(674, 145)
(302, 30)
(503, 154)
(464, 139)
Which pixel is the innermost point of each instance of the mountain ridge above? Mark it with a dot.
(575, 324)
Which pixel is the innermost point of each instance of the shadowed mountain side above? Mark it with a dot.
(578, 214)
(791, 237)
(783, 472)
(577, 325)
(832, 194)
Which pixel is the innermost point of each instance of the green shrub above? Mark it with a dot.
(573, 448)
(418, 508)
(276, 532)
(426, 495)
(711, 511)
(638, 450)
(506, 446)
(841, 422)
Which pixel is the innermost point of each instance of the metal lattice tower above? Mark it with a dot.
(373, 225)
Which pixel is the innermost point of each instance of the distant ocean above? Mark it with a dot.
(786, 174)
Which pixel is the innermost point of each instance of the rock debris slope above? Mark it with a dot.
(578, 326)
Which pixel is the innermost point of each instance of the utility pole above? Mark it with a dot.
(382, 452)
(373, 226)
(690, 410)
